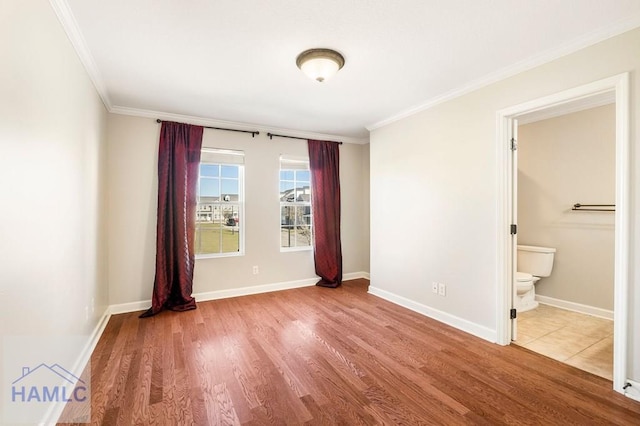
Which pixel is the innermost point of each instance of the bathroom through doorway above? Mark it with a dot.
(600, 93)
(566, 226)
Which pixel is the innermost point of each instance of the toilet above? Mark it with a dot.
(533, 264)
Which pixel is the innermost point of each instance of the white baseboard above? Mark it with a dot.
(267, 288)
(124, 308)
(355, 276)
(143, 305)
(246, 291)
(55, 409)
(576, 307)
(633, 391)
(456, 322)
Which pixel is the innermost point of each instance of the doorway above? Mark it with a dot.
(616, 87)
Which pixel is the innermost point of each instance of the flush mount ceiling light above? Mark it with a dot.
(320, 64)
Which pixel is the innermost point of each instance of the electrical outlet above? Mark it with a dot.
(434, 287)
(255, 270)
(442, 289)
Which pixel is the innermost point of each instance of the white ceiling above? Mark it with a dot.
(234, 60)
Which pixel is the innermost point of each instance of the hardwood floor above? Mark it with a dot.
(330, 356)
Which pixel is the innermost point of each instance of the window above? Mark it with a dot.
(220, 210)
(296, 220)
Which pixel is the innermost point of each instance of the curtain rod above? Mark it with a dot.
(253, 132)
(271, 135)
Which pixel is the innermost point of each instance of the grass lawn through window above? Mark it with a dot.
(208, 238)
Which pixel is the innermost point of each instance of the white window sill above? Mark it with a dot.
(289, 249)
(218, 255)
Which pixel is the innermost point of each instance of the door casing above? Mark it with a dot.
(619, 85)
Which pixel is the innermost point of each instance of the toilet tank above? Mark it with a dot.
(537, 261)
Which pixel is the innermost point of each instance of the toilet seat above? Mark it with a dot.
(524, 282)
(525, 292)
(523, 277)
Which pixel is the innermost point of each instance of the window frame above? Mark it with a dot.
(240, 202)
(297, 204)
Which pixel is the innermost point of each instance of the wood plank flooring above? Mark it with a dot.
(322, 356)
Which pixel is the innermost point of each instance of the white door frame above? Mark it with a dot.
(619, 84)
(512, 137)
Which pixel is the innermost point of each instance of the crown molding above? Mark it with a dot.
(522, 66)
(71, 28)
(66, 18)
(202, 121)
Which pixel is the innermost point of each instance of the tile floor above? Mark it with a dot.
(584, 341)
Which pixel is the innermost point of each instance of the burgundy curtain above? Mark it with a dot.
(324, 161)
(178, 163)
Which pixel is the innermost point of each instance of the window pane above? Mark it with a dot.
(209, 170)
(217, 214)
(286, 174)
(230, 171)
(303, 175)
(295, 226)
(230, 239)
(303, 195)
(295, 220)
(209, 187)
(230, 216)
(299, 215)
(230, 186)
(303, 236)
(286, 191)
(218, 225)
(303, 188)
(285, 185)
(204, 212)
(287, 236)
(305, 213)
(287, 215)
(207, 238)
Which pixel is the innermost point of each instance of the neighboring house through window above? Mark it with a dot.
(220, 211)
(296, 219)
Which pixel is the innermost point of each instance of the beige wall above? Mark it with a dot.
(441, 163)
(563, 161)
(132, 164)
(52, 180)
(366, 201)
